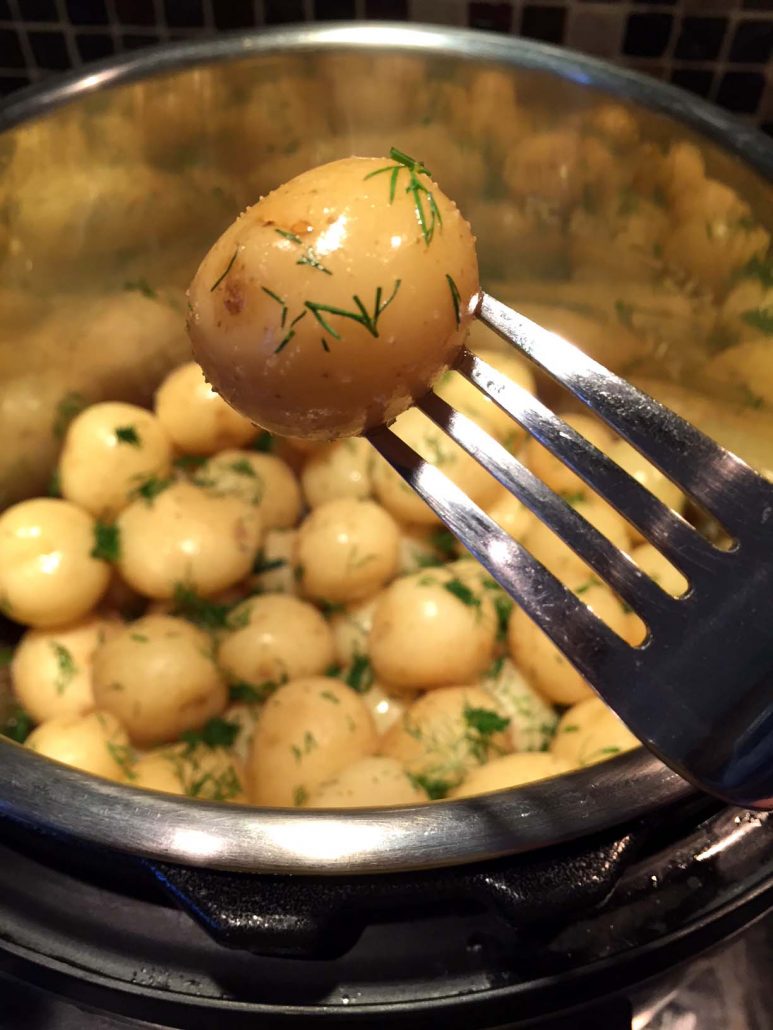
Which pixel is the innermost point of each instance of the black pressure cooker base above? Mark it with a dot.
(101, 929)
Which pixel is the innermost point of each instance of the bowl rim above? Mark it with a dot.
(47, 795)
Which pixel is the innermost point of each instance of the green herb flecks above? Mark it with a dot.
(444, 541)
(290, 333)
(264, 442)
(427, 212)
(128, 434)
(141, 285)
(54, 485)
(495, 668)
(213, 734)
(107, 542)
(583, 588)
(360, 674)
(124, 758)
(16, 724)
(300, 796)
(330, 607)
(66, 669)
(368, 320)
(312, 260)
(760, 318)
(759, 268)
(574, 498)
(570, 729)
(225, 272)
(333, 671)
(462, 592)
(263, 564)
(199, 610)
(330, 696)
(750, 398)
(242, 467)
(435, 789)
(482, 724)
(251, 694)
(624, 313)
(455, 298)
(280, 302)
(149, 490)
(189, 462)
(503, 607)
(69, 406)
(291, 236)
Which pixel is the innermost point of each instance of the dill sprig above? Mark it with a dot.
(290, 333)
(362, 316)
(455, 298)
(292, 236)
(427, 212)
(225, 272)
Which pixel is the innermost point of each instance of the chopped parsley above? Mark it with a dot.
(213, 734)
(199, 610)
(141, 285)
(16, 724)
(575, 498)
(583, 588)
(333, 671)
(360, 674)
(482, 724)
(242, 467)
(263, 564)
(252, 695)
(759, 268)
(503, 607)
(760, 318)
(462, 592)
(107, 542)
(124, 758)
(444, 541)
(263, 442)
(66, 669)
(300, 796)
(570, 729)
(495, 668)
(151, 488)
(189, 462)
(330, 696)
(69, 406)
(435, 788)
(128, 434)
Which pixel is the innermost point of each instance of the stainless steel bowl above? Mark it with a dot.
(183, 104)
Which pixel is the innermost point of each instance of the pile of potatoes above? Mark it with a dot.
(215, 612)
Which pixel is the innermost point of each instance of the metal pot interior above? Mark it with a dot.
(114, 185)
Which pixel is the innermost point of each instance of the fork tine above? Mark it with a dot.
(588, 643)
(667, 530)
(641, 592)
(675, 446)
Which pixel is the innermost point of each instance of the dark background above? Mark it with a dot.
(719, 49)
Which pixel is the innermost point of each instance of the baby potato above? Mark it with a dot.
(158, 676)
(245, 715)
(351, 629)
(51, 670)
(546, 167)
(196, 419)
(590, 732)
(511, 771)
(262, 480)
(386, 707)
(559, 477)
(333, 302)
(540, 659)
(308, 731)
(196, 771)
(532, 719)
(658, 567)
(95, 742)
(273, 568)
(748, 367)
(419, 548)
(186, 535)
(48, 576)
(346, 550)
(432, 629)
(278, 638)
(445, 734)
(109, 450)
(432, 444)
(370, 782)
(339, 469)
(510, 514)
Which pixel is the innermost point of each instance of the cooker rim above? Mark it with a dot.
(65, 801)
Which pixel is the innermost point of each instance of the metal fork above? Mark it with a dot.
(699, 690)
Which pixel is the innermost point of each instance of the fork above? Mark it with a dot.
(699, 690)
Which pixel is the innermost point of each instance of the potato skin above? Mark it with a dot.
(332, 237)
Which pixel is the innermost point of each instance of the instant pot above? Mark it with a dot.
(579, 901)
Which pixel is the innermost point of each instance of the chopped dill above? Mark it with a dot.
(362, 316)
(429, 217)
(225, 272)
(213, 734)
(66, 669)
(107, 542)
(455, 298)
(360, 674)
(128, 434)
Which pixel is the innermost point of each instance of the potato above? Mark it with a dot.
(432, 629)
(546, 167)
(181, 534)
(532, 720)
(158, 676)
(335, 300)
(749, 368)
(511, 771)
(346, 550)
(559, 477)
(278, 638)
(109, 450)
(197, 771)
(370, 782)
(590, 732)
(262, 480)
(95, 742)
(445, 734)
(339, 469)
(51, 669)
(651, 478)
(273, 568)
(351, 629)
(245, 715)
(658, 567)
(386, 707)
(196, 419)
(308, 731)
(48, 576)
